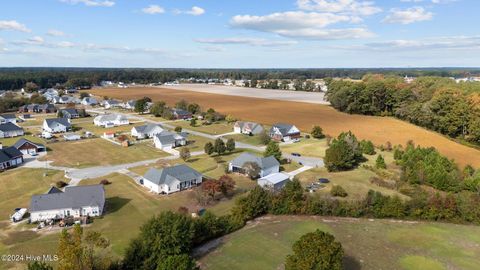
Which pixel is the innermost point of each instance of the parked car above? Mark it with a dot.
(296, 154)
(323, 180)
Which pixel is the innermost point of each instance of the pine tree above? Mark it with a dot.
(380, 163)
(273, 150)
(209, 149)
(230, 145)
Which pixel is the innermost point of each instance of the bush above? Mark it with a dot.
(178, 129)
(338, 191)
(380, 163)
(105, 182)
(317, 132)
(367, 147)
(60, 184)
(344, 153)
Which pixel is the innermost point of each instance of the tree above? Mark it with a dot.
(317, 132)
(211, 187)
(158, 108)
(31, 87)
(209, 149)
(178, 129)
(140, 106)
(344, 153)
(380, 163)
(177, 262)
(226, 185)
(273, 150)
(60, 114)
(182, 104)
(84, 95)
(193, 122)
(230, 119)
(264, 137)
(316, 251)
(39, 266)
(230, 145)
(184, 153)
(251, 169)
(193, 108)
(367, 147)
(338, 191)
(219, 146)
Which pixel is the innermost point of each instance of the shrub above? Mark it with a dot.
(60, 184)
(317, 132)
(380, 163)
(178, 129)
(338, 191)
(105, 182)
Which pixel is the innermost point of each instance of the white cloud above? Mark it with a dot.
(247, 41)
(196, 11)
(153, 9)
(408, 16)
(91, 3)
(36, 40)
(55, 33)
(13, 26)
(299, 24)
(362, 8)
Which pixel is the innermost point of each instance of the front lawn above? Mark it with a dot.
(215, 128)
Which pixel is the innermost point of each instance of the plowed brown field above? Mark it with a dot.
(304, 116)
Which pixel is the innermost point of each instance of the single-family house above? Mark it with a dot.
(167, 140)
(109, 135)
(9, 130)
(89, 101)
(110, 120)
(56, 125)
(111, 103)
(46, 108)
(274, 181)
(181, 114)
(268, 165)
(249, 128)
(171, 179)
(70, 113)
(75, 201)
(10, 157)
(284, 132)
(146, 131)
(28, 147)
(66, 100)
(129, 105)
(8, 118)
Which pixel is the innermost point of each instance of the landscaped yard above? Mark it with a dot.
(197, 143)
(213, 129)
(89, 126)
(368, 244)
(306, 147)
(97, 152)
(253, 140)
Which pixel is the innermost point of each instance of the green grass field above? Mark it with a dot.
(253, 140)
(307, 147)
(97, 152)
(368, 244)
(213, 129)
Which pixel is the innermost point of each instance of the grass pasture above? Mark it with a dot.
(305, 115)
(368, 244)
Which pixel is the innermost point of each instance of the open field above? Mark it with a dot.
(253, 140)
(368, 244)
(305, 115)
(216, 128)
(97, 152)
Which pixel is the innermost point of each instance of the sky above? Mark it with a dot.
(239, 33)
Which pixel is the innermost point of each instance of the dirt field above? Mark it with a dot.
(305, 115)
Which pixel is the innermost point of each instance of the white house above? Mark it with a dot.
(274, 181)
(89, 101)
(268, 165)
(56, 125)
(8, 118)
(75, 201)
(129, 105)
(167, 140)
(111, 103)
(9, 130)
(284, 132)
(110, 120)
(146, 131)
(249, 128)
(171, 179)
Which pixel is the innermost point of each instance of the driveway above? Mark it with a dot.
(313, 162)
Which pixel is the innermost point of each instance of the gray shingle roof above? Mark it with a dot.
(8, 116)
(23, 141)
(263, 162)
(168, 175)
(111, 117)
(283, 128)
(73, 197)
(147, 128)
(62, 121)
(70, 111)
(8, 153)
(9, 127)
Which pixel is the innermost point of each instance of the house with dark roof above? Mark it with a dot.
(8, 118)
(284, 132)
(181, 114)
(171, 179)
(249, 128)
(10, 157)
(75, 201)
(111, 103)
(36, 108)
(89, 101)
(57, 125)
(28, 147)
(167, 140)
(70, 113)
(146, 131)
(268, 165)
(9, 130)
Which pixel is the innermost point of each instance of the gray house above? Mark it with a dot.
(284, 132)
(274, 181)
(268, 165)
(8, 118)
(70, 113)
(75, 201)
(171, 179)
(146, 131)
(28, 147)
(9, 130)
(10, 157)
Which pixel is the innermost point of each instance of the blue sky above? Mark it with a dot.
(240, 34)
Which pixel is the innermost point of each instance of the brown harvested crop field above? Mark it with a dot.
(304, 116)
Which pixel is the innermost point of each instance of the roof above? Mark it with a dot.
(169, 175)
(54, 190)
(147, 128)
(90, 99)
(283, 128)
(73, 197)
(276, 178)
(110, 117)
(167, 137)
(70, 111)
(112, 101)
(58, 121)
(180, 111)
(8, 116)
(23, 141)
(250, 125)
(263, 162)
(8, 153)
(9, 127)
